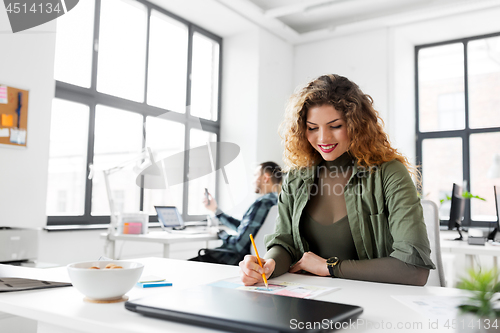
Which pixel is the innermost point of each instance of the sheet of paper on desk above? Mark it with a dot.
(442, 308)
(276, 287)
(59, 274)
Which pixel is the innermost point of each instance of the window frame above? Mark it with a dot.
(464, 134)
(91, 97)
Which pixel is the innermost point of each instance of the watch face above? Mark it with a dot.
(332, 260)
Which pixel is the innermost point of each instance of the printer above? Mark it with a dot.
(18, 246)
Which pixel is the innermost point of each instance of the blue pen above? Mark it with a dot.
(154, 284)
(18, 110)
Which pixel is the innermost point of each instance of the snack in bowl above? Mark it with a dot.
(104, 280)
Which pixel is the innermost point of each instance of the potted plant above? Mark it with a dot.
(480, 312)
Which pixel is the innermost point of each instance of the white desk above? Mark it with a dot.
(63, 310)
(463, 248)
(161, 237)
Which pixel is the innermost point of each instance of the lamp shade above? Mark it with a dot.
(494, 171)
(170, 170)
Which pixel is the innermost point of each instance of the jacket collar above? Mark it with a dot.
(308, 174)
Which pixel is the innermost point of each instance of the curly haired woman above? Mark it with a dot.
(348, 207)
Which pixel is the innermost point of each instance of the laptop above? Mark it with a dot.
(243, 311)
(171, 220)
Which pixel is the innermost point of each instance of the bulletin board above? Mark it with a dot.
(13, 116)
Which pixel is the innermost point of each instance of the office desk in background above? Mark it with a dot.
(63, 309)
(162, 237)
(462, 248)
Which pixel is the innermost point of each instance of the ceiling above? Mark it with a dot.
(305, 16)
(300, 21)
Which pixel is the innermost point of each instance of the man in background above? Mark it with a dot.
(267, 182)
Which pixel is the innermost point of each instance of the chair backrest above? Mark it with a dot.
(431, 218)
(266, 229)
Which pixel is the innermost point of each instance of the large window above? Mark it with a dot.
(458, 122)
(129, 75)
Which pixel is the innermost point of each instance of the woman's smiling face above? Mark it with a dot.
(326, 131)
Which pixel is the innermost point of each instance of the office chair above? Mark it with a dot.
(266, 228)
(431, 219)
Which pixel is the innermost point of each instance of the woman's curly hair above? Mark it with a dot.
(369, 143)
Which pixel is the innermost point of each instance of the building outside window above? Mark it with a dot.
(129, 75)
(458, 122)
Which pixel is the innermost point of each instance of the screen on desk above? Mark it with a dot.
(169, 216)
(497, 205)
(492, 234)
(456, 210)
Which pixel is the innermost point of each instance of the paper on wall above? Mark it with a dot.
(3, 95)
(18, 136)
(4, 133)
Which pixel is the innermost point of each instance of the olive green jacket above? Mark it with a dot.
(384, 212)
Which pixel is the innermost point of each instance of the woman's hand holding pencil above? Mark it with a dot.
(252, 273)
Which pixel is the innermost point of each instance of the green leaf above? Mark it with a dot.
(448, 198)
(468, 195)
(468, 308)
(483, 286)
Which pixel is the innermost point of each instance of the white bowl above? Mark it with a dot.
(104, 284)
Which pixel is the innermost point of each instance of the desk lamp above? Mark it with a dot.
(148, 169)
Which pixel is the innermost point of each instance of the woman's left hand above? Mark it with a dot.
(311, 263)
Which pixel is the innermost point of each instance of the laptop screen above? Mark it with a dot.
(169, 216)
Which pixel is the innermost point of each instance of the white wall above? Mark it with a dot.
(27, 62)
(238, 116)
(362, 58)
(257, 75)
(275, 86)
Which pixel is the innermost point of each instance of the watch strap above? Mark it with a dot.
(331, 263)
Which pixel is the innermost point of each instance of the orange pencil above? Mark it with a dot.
(260, 262)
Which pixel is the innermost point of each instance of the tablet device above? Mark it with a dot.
(169, 217)
(242, 311)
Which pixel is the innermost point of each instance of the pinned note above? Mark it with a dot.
(18, 136)
(3, 95)
(4, 133)
(7, 120)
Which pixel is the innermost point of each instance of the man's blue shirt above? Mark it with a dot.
(250, 224)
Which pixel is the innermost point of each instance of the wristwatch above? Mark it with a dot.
(331, 263)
